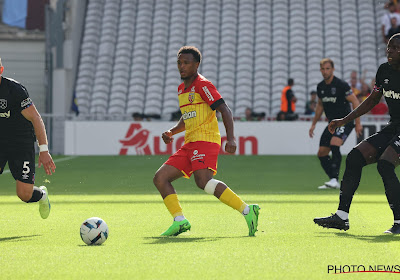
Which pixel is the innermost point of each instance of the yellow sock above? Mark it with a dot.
(173, 205)
(233, 200)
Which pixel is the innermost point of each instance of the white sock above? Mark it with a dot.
(397, 221)
(343, 215)
(246, 210)
(179, 218)
(44, 196)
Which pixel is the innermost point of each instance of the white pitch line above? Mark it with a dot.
(55, 161)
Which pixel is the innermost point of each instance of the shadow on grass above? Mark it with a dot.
(183, 239)
(17, 238)
(261, 202)
(383, 238)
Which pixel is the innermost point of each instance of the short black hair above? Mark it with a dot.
(313, 92)
(290, 81)
(193, 50)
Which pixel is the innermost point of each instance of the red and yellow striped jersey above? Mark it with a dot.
(198, 103)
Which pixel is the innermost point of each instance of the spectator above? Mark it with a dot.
(137, 117)
(394, 28)
(386, 20)
(365, 91)
(381, 108)
(354, 83)
(252, 116)
(311, 104)
(288, 104)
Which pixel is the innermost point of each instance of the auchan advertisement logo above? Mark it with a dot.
(139, 139)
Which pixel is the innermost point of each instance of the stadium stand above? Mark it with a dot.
(250, 48)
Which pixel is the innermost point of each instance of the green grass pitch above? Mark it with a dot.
(119, 189)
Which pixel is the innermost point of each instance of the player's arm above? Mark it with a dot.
(363, 108)
(45, 159)
(355, 103)
(179, 127)
(227, 119)
(318, 113)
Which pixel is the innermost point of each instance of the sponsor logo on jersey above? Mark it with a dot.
(386, 81)
(333, 90)
(26, 102)
(192, 89)
(3, 103)
(191, 97)
(329, 99)
(208, 93)
(189, 115)
(5, 115)
(180, 91)
(391, 94)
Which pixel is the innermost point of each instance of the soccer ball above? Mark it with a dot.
(94, 231)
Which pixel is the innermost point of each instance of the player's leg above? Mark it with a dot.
(204, 164)
(323, 155)
(22, 167)
(338, 138)
(220, 190)
(386, 167)
(336, 161)
(363, 154)
(167, 173)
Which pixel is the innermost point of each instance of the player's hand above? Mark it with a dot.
(359, 130)
(46, 160)
(230, 146)
(335, 124)
(311, 131)
(167, 137)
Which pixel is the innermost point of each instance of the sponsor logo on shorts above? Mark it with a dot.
(5, 115)
(3, 103)
(197, 156)
(391, 94)
(189, 115)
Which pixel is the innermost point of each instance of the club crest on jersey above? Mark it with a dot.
(191, 97)
(3, 103)
(333, 90)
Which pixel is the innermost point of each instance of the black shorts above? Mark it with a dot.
(389, 135)
(342, 132)
(21, 164)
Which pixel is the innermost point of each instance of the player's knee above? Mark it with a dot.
(24, 194)
(201, 182)
(385, 168)
(323, 153)
(158, 179)
(355, 159)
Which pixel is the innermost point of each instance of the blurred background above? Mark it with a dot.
(93, 62)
